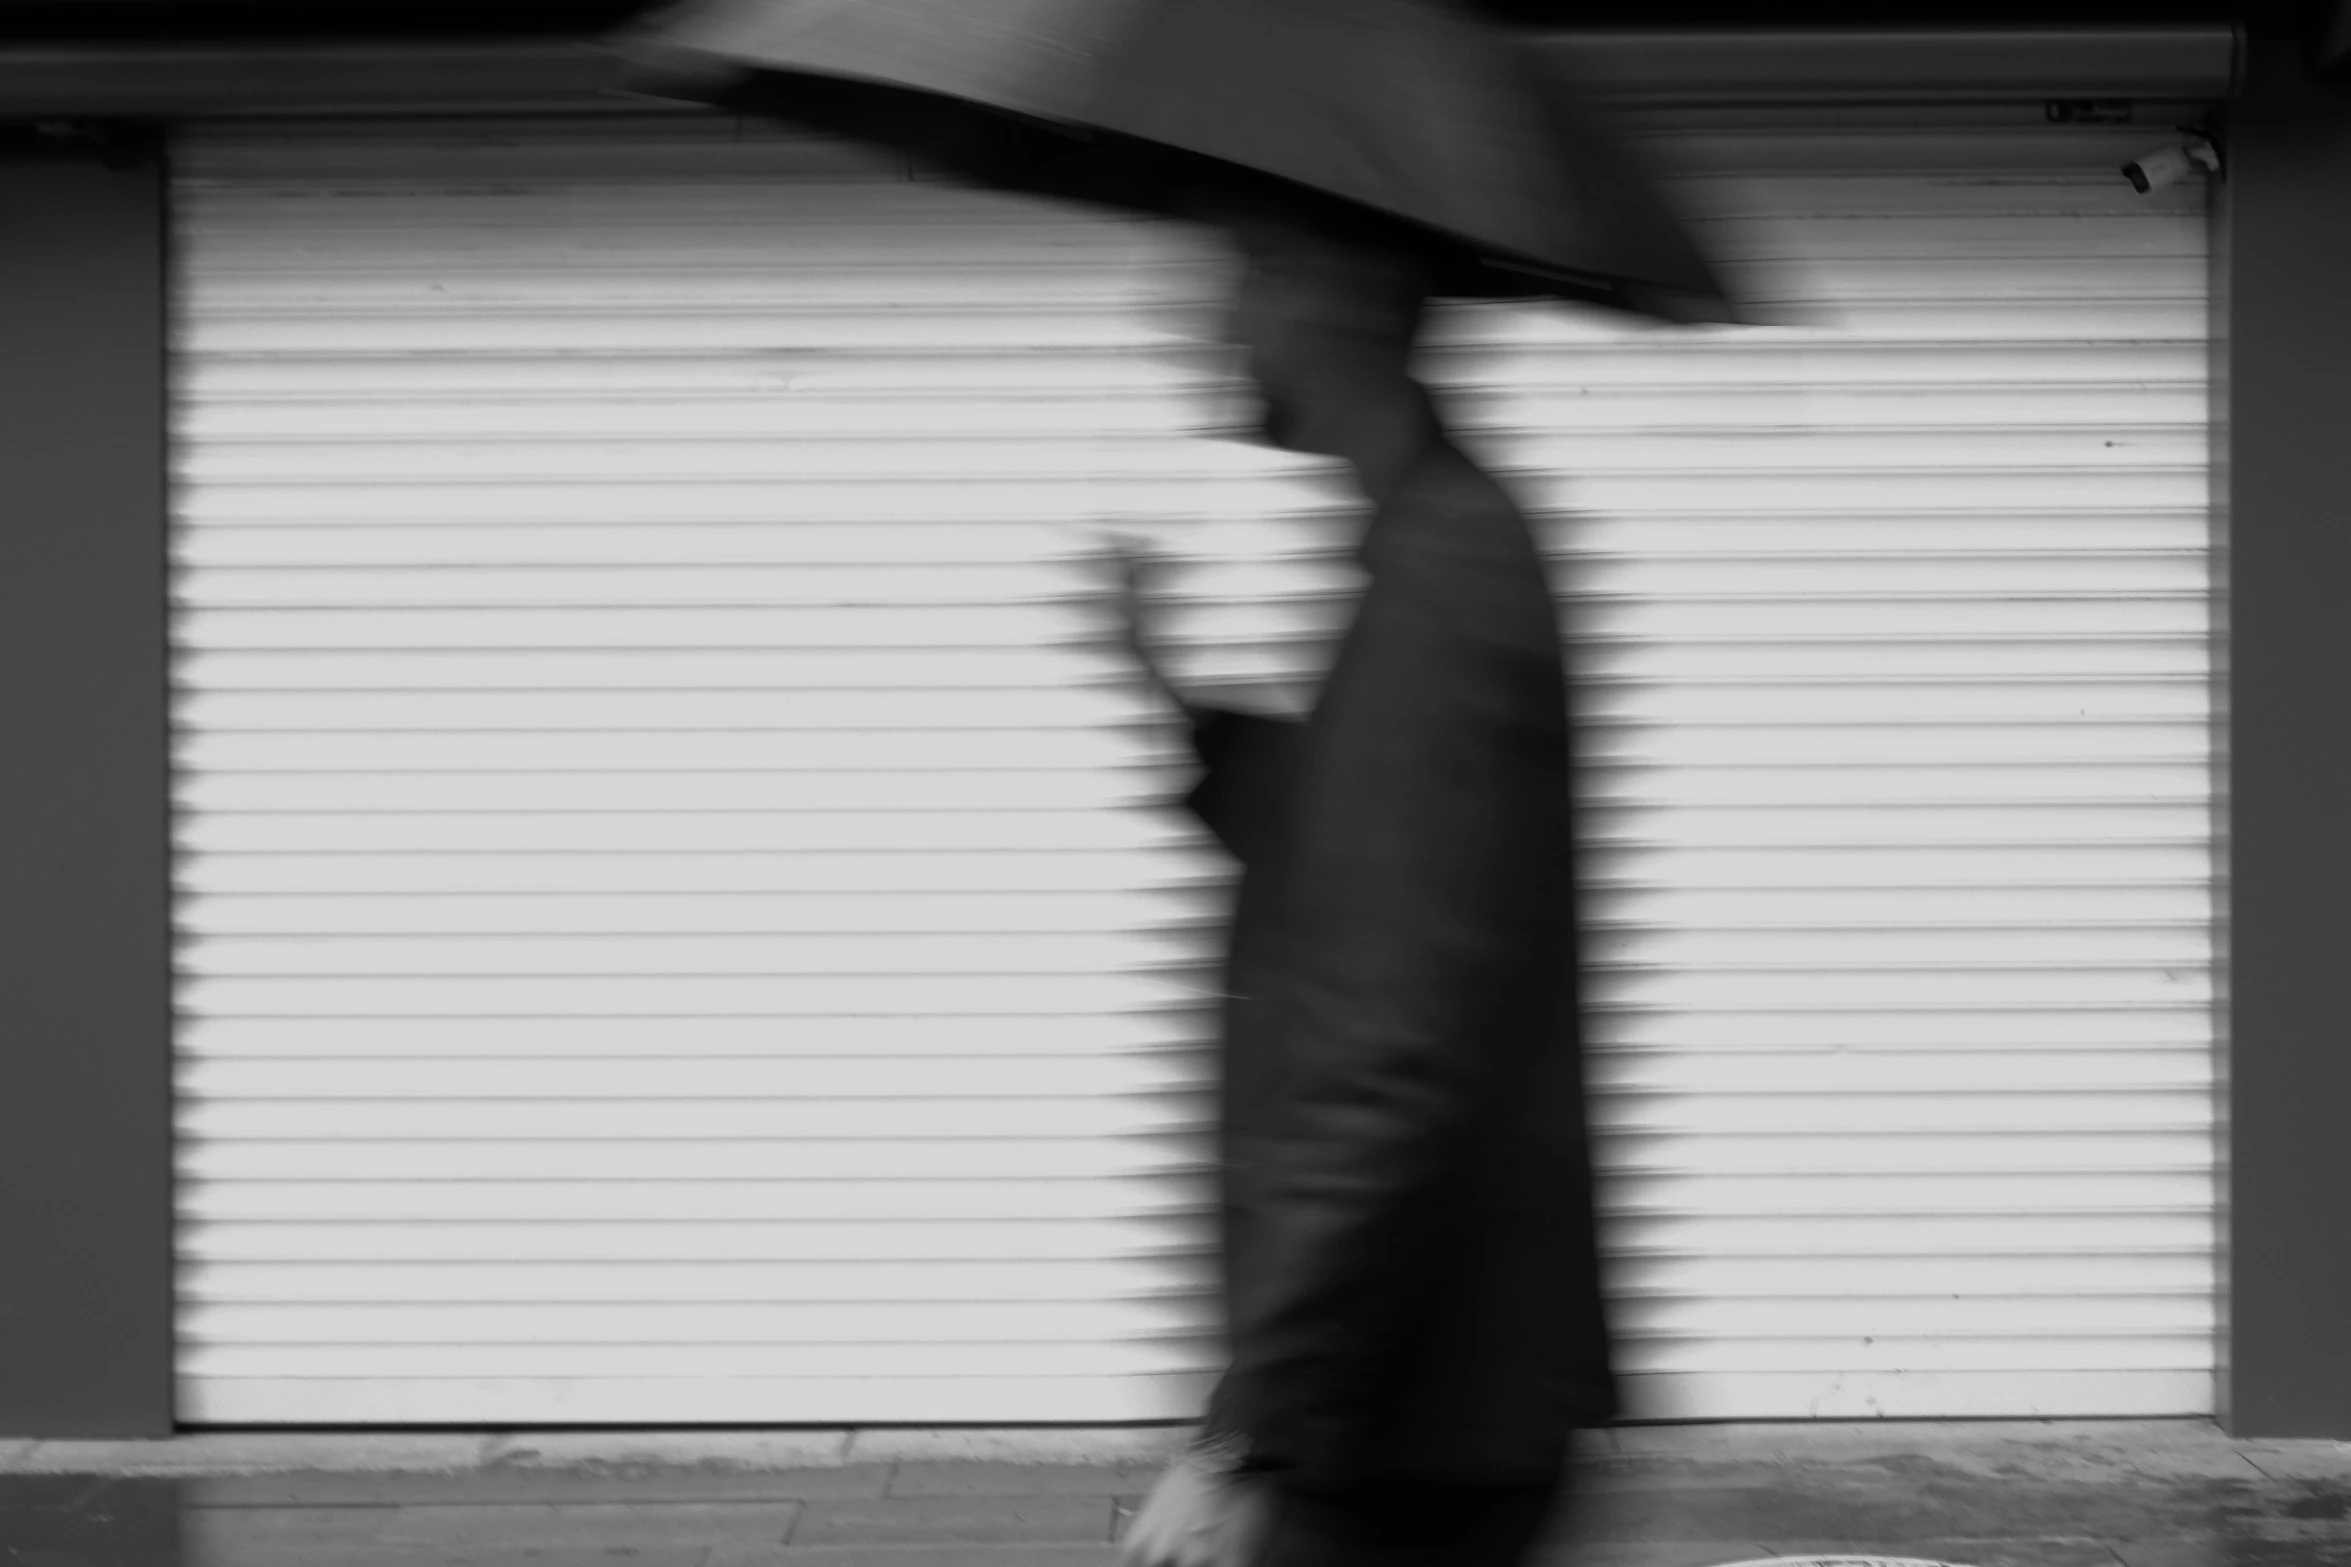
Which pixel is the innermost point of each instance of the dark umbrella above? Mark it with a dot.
(1412, 1280)
(1407, 108)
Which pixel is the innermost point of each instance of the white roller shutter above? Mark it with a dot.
(676, 923)
(1892, 624)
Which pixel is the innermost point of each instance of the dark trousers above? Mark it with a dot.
(1407, 1525)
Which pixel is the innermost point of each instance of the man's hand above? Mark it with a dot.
(1197, 1518)
(1131, 568)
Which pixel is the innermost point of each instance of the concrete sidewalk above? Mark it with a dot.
(2006, 1494)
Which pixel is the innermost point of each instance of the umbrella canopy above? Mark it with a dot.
(1407, 109)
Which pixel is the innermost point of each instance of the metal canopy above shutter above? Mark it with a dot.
(183, 79)
(679, 919)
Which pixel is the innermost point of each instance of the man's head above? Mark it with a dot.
(1327, 317)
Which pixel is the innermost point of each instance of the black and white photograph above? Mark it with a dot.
(1175, 783)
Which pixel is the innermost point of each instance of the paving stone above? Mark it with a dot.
(675, 1525)
(2207, 1550)
(576, 1556)
(260, 1452)
(1655, 1553)
(2093, 1463)
(1678, 1439)
(1891, 1502)
(2052, 1552)
(1009, 1479)
(2176, 1551)
(1024, 1445)
(2043, 1449)
(2283, 1460)
(203, 1555)
(1770, 1550)
(1664, 1472)
(1813, 1443)
(84, 1521)
(1859, 1435)
(28, 1493)
(2084, 1451)
(1711, 1512)
(916, 1556)
(227, 1529)
(584, 1483)
(810, 1449)
(2045, 1552)
(978, 1520)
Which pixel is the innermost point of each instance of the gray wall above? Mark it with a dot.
(85, 1038)
(2285, 442)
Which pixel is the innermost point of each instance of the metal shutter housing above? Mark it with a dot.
(679, 919)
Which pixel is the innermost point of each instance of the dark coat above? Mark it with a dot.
(1412, 1278)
